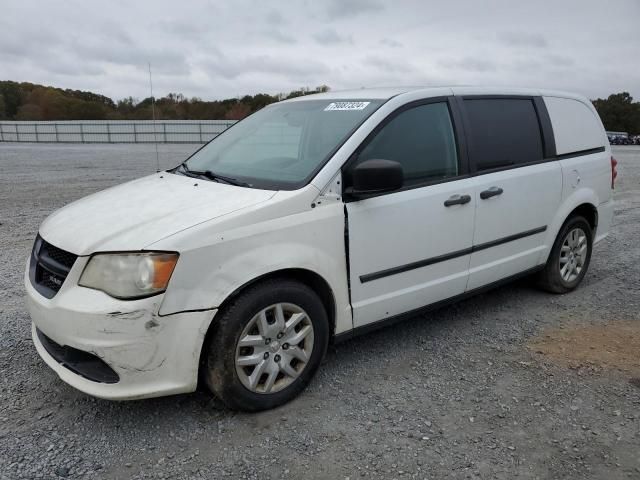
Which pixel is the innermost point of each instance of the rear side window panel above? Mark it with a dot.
(576, 126)
(502, 132)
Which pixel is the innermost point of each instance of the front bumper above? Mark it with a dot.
(152, 355)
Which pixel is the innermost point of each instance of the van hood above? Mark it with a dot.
(136, 214)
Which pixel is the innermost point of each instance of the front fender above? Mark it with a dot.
(312, 240)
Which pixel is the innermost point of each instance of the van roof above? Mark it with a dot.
(387, 92)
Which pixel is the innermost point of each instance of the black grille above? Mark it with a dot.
(48, 279)
(64, 258)
(49, 267)
(82, 363)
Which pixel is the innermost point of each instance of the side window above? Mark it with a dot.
(421, 139)
(503, 132)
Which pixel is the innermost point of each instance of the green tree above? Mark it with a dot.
(11, 92)
(619, 113)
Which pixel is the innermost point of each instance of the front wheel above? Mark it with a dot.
(267, 345)
(569, 258)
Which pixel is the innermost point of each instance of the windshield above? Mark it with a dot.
(283, 145)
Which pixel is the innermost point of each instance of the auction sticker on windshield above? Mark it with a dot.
(346, 106)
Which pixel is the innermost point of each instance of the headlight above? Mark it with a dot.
(129, 275)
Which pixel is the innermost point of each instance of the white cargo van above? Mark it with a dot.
(310, 221)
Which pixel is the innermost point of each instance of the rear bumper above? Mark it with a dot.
(150, 355)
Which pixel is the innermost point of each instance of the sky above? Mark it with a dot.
(215, 50)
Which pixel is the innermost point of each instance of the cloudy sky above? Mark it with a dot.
(221, 49)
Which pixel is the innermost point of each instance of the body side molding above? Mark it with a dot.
(448, 256)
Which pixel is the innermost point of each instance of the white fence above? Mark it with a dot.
(116, 131)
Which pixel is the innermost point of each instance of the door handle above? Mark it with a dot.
(492, 192)
(457, 200)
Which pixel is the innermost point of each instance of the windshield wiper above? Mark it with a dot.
(216, 177)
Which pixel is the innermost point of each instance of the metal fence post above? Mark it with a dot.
(200, 128)
(55, 129)
(1, 129)
(164, 132)
(135, 134)
(35, 125)
(17, 133)
(108, 133)
(81, 133)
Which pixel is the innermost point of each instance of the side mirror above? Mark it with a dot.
(375, 176)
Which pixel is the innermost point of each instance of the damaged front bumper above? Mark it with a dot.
(150, 355)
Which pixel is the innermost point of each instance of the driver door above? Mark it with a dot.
(411, 247)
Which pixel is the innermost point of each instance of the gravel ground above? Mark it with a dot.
(468, 391)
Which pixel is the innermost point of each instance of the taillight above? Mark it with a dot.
(614, 171)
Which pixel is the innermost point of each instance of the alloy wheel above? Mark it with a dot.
(573, 254)
(274, 348)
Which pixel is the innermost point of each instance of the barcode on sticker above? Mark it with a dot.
(346, 106)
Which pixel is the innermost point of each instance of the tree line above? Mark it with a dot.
(28, 101)
(619, 113)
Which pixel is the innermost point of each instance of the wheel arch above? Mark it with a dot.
(307, 277)
(584, 203)
(587, 210)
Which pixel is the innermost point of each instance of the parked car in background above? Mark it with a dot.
(620, 138)
(311, 221)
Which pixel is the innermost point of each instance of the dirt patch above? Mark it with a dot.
(609, 346)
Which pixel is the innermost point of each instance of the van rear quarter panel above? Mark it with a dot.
(586, 178)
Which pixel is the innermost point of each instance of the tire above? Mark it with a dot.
(244, 375)
(553, 278)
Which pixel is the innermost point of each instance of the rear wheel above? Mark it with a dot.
(267, 345)
(569, 258)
